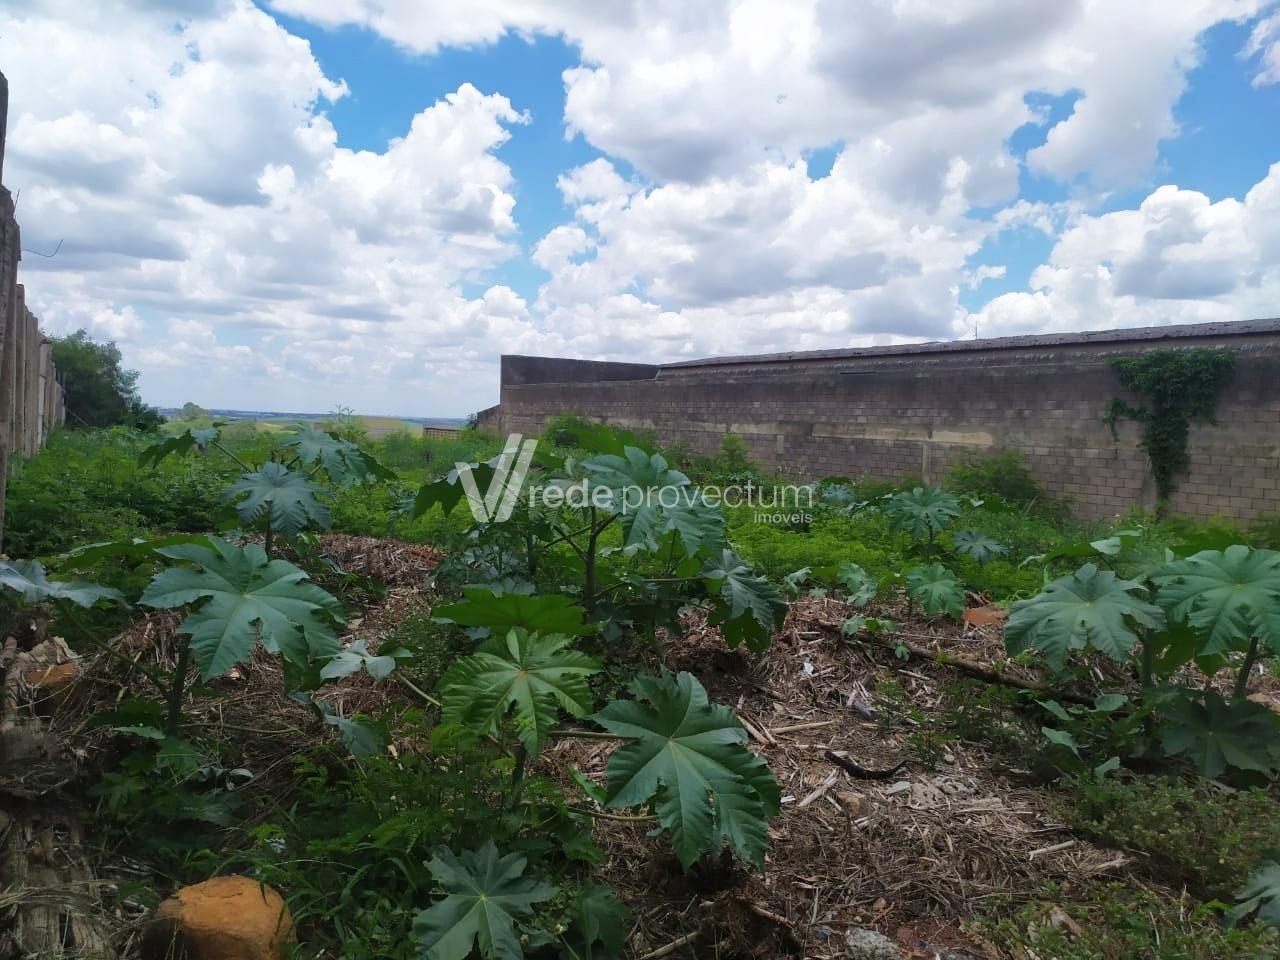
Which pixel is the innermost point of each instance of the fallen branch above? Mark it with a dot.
(671, 947)
(894, 641)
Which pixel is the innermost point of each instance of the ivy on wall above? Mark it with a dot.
(1179, 386)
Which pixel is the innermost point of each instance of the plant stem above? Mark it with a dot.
(419, 691)
(1148, 662)
(174, 721)
(517, 776)
(589, 564)
(154, 676)
(240, 463)
(619, 817)
(270, 536)
(586, 735)
(1242, 678)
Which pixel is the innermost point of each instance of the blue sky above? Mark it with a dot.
(297, 204)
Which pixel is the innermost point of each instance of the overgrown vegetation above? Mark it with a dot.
(446, 821)
(1178, 386)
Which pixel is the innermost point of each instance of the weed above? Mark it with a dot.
(1119, 921)
(1202, 834)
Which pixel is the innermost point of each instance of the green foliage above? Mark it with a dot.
(872, 626)
(499, 611)
(752, 605)
(530, 674)
(859, 586)
(733, 458)
(923, 512)
(1179, 386)
(485, 893)
(1216, 734)
(286, 498)
(27, 577)
(936, 589)
(1231, 595)
(357, 656)
(1003, 474)
(1207, 605)
(1121, 921)
(168, 796)
(972, 543)
(598, 925)
(688, 758)
(1091, 608)
(351, 845)
(1193, 833)
(86, 486)
(1261, 893)
(246, 596)
(1104, 729)
(99, 391)
(343, 461)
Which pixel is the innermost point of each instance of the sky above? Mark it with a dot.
(302, 204)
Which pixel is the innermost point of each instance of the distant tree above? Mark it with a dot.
(192, 411)
(100, 392)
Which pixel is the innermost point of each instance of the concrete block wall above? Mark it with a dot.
(31, 397)
(894, 412)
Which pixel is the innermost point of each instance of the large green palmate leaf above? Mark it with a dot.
(600, 438)
(750, 606)
(647, 493)
(1216, 734)
(499, 612)
(598, 925)
(1261, 893)
(936, 589)
(1229, 594)
(287, 499)
(447, 491)
(182, 444)
(27, 577)
(484, 893)
(135, 549)
(246, 596)
(922, 511)
(1089, 608)
(380, 665)
(972, 543)
(344, 462)
(530, 674)
(689, 757)
(860, 586)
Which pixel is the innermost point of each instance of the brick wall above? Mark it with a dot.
(902, 411)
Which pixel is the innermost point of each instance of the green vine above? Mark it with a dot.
(1179, 386)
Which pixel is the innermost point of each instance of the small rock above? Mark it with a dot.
(226, 918)
(854, 804)
(984, 616)
(863, 944)
(52, 688)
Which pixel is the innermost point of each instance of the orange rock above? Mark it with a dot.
(52, 687)
(984, 616)
(226, 918)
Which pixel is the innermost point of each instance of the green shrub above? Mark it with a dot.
(86, 486)
(1204, 835)
(1003, 474)
(1118, 922)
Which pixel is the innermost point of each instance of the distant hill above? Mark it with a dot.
(280, 415)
